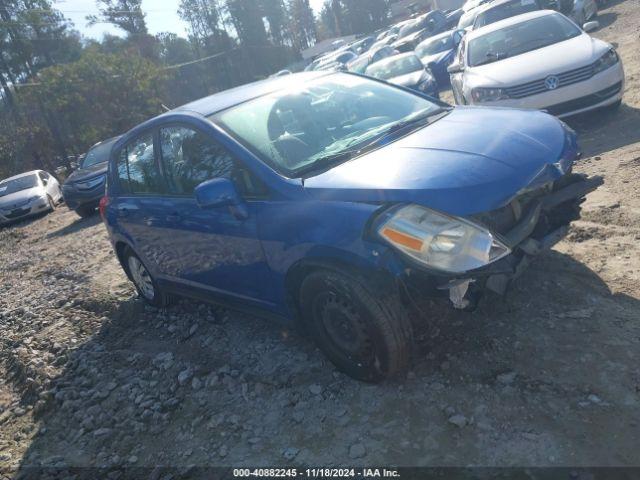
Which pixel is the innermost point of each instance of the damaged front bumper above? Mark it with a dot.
(541, 223)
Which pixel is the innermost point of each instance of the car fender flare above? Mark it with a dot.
(376, 279)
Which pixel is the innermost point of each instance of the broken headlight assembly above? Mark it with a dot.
(439, 241)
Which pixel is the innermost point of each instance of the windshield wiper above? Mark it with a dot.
(335, 158)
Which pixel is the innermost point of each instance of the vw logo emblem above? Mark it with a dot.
(551, 82)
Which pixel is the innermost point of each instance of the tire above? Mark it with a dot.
(52, 204)
(367, 336)
(85, 211)
(145, 284)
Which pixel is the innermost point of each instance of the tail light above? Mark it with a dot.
(104, 202)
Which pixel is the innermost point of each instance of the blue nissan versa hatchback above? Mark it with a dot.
(320, 197)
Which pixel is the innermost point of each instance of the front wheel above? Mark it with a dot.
(145, 284)
(367, 336)
(85, 211)
(52, 204)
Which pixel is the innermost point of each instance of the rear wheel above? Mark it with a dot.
(145, 284)
(85, 211)
(367, 337)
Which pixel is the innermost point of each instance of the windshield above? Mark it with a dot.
(520, 38)
(98, 154)
(17, 184)
(435, 45)
(506, 10)
(395, 67)
(297, 132)
(409, 29)
(359, 65)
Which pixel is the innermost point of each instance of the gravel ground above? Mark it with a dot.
(549, 375)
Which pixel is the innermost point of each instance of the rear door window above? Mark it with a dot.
(137, 169)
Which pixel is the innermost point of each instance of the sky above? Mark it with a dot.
(161, 16)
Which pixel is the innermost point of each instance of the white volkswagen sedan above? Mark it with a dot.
(538, 60)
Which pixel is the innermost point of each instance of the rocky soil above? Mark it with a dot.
(548, 375)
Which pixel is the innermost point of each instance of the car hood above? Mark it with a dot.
(573, 53)
(408, 79)
(436, 57)
(83, 174)
(16, 199)
(472, 160)
(408, 38)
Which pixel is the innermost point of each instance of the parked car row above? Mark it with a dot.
(37, 192)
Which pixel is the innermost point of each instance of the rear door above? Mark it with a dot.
(141, 203)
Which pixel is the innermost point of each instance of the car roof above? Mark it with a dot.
(393, 58)
(20, 175)
(485, 7)
(508, 22)
(229, 98)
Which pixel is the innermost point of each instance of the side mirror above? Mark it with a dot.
(454, 68)
(591, 26)
(221, 192)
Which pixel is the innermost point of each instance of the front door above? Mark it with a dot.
(212, 248)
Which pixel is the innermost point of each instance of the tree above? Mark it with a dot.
(124, 14)
(303, 23)
(174, 49)
(33, 36)
(247, 18)
(92, 99)
(346, 17)
(276, 15)
(206, 29)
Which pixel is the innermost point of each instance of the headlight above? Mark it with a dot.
(33, 199)
(445, 243)
(488, 94)
(608, 60)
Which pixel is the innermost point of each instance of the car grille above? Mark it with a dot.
(584, 102)
(503, 220)
(538, 86)
(94, 183)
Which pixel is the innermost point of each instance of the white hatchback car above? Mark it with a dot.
(28, 194)
(538, 60)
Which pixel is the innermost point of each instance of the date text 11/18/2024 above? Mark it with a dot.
(315, 473)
